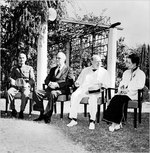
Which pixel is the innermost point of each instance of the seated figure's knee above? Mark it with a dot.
(76, 94)
(9, 91)
(73, 95)
(26, 93)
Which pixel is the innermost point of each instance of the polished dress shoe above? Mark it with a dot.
(21, 115)
(14, 113)
(40, 118)
(47, 119)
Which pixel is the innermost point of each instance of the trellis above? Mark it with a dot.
(80, 40)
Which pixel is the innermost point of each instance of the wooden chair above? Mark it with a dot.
(61, 98)
(18, 96)
(100, 101)
(132, 104)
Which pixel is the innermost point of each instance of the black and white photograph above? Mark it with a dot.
(74, 76)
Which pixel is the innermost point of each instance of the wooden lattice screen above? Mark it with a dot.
(85, 39)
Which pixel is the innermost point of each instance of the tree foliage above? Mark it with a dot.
(20, 28)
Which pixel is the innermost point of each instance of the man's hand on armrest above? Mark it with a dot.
(12, 81)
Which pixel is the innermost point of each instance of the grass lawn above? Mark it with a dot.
(101, 140)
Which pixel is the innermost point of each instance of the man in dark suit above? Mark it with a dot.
(58, 81)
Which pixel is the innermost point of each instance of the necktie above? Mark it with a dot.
(57, 71)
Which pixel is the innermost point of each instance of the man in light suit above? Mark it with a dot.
(58, 81)
(94, 77)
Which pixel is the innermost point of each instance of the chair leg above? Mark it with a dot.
(98, 113)
(125, 116)
(62, 109)
(55, 107)
(6, 107)
(140, 112)
(135, 117)
(30, 107)
(104, 107)
(85, 110)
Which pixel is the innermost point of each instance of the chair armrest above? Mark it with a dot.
(109, 92)
(104, 94)
(115, 89)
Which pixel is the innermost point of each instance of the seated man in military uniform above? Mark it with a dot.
(21, 80)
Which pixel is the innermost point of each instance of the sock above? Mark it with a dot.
(74, 119)
(92, 121)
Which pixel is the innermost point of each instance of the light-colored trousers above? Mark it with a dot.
(24, 97)
(77, 96)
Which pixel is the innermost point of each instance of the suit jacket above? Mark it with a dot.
(64, 78)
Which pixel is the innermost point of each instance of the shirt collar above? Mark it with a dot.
(135, 70)
(60, 67)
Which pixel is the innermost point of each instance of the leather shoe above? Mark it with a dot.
(47, 119)
(40, 118)
(21, 116)
(14, 113)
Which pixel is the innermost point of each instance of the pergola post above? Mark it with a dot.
(93, 40)
(81, 51)
(42, 56)
(68, 51)
(111, 58)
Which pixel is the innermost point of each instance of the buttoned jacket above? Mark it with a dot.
(26, 72)
(64, 78)
(133, 82)
(88, 77)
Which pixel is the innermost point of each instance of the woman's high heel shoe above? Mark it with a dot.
(118, 126)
